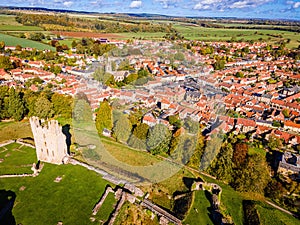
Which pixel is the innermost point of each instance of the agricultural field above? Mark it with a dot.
(13, 41)
(220, 34)
(8, 23)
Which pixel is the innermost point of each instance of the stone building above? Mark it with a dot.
(50, 141)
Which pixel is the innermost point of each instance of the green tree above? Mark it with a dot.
(253, 176)
(219, 64)
(16, 106)
(274, 142)
(222, 167)
(62, 105)
(175, 120)
(82, 112)
(43, 108)
(4, 102)
(122, 129)
(139, 136)
(2, 46)
(5, 63)
(158, 139)
(104, 117)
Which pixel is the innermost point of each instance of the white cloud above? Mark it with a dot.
(167, 3)
(296, 5)
(135, 4)
(68, 3)
(239, 5)
(228, 4)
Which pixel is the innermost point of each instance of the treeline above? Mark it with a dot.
(64, 22)
(19, 103)
(183, 143)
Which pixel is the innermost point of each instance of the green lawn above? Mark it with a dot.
(107, 207)
(199, 213)
(46, 202)
(231, 200)
(13, 41)
(128, 155)
(15, 130)
(270, 216)
(17, 159)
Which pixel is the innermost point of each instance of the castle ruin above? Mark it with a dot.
(50, 141)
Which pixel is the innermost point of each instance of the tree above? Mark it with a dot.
(16, 108)
(43, 108)
(122, 129)
(274, 142)
(5, 63)
(104, 117)
(253, 176)
(240, 154)
(175, 120)
(139, 136)
(222, 165)
(158, 139)
(82, 112)
(62, 105)
(4, 102)
(2, 46)
(219, 64)
(142, 73)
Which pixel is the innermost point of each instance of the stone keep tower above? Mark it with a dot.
(50, 142)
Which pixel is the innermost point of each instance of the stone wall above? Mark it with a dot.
(50, 142)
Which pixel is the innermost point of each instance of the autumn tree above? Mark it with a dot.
(240, 153)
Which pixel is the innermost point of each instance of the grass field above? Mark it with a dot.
(107, 207)
(272, 216)
(13, 41)
(216, 34)
(141, 35)
(15, 130)
(128, 155)
(8, 23)
(231, 200)
(17, 159)
(46, 202)
(199, 213)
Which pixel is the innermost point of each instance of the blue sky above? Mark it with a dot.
(273, 9)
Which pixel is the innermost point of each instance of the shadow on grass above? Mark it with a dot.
(7, 200)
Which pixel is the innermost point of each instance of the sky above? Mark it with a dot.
(268, 9)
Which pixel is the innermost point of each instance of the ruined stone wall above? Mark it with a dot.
(50, 142)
